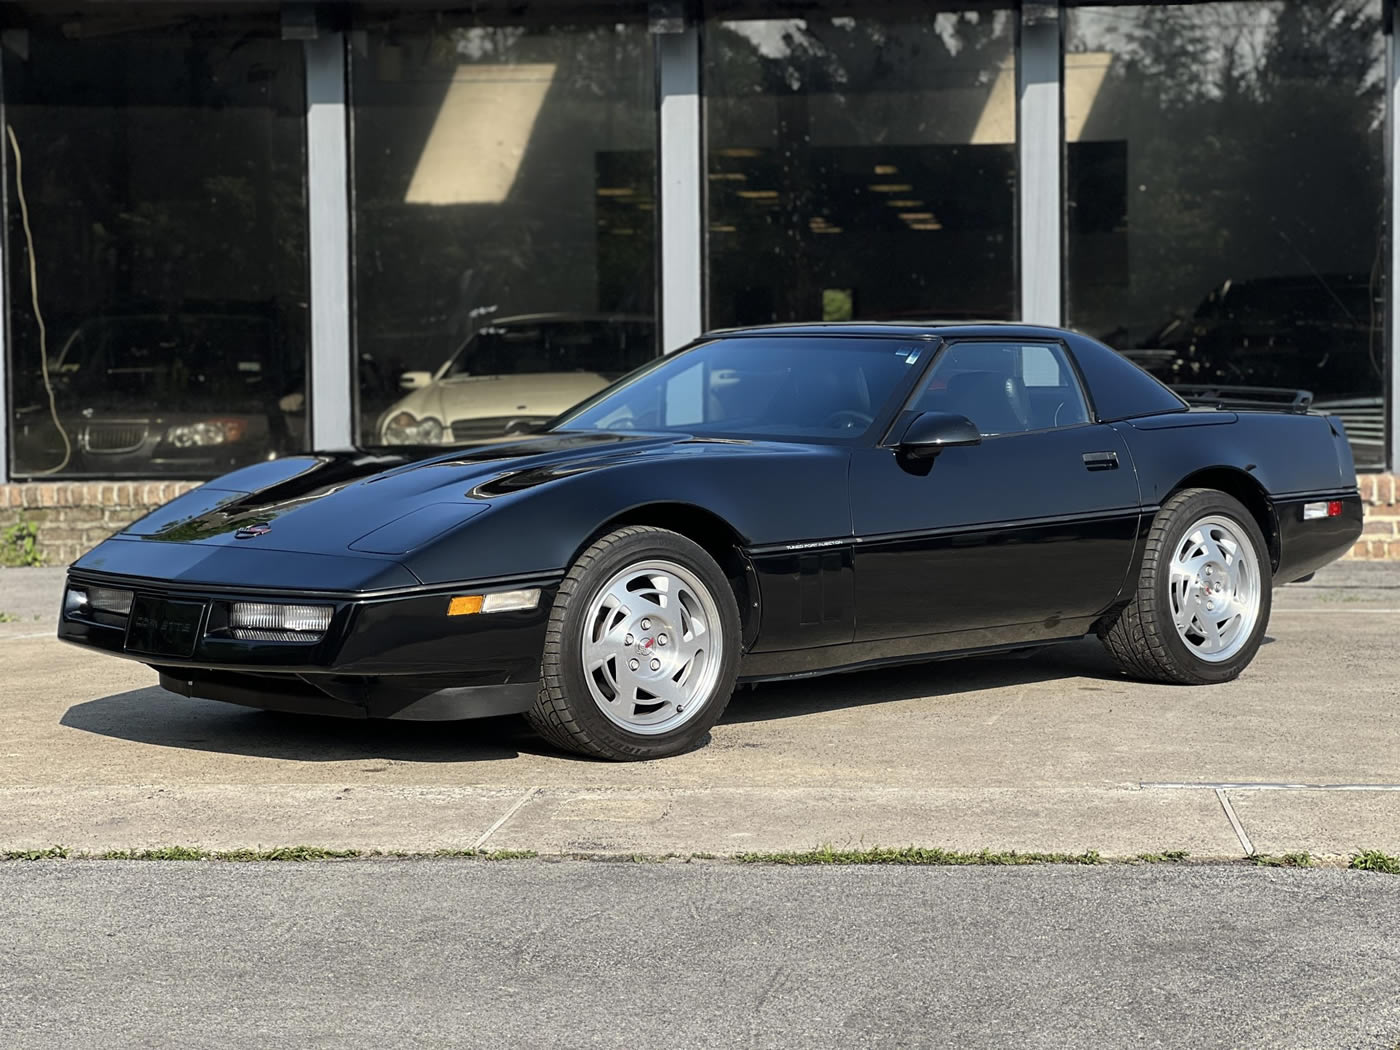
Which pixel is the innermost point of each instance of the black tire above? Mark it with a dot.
(1142, 638)
(565, 713)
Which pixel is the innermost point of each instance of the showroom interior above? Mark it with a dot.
(238, 230)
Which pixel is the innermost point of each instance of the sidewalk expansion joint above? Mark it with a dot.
(501, 820)
(1345, 612)
(1235, 822)
(1246, 785)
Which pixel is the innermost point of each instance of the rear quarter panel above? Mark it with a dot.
(1294, 459)
(1286, 454)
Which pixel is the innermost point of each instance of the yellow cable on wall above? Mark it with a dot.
(34, 299)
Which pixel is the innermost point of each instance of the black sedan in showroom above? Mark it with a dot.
(766, 503)
(190, 393)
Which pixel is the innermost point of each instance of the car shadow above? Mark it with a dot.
(929, 679)
(154, 716)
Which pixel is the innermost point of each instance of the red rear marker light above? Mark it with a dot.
(1322, 509)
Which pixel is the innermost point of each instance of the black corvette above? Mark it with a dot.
(767, 503)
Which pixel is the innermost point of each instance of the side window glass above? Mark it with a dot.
(1005, 388)
(685, 398)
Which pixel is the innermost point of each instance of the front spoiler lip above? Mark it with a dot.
(451, 703)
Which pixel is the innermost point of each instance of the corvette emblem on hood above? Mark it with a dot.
(251, 532)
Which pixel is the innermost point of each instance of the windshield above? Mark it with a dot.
(775, 387)
(193, 361)
(602, 347)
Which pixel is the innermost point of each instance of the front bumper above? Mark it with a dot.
(396, 655)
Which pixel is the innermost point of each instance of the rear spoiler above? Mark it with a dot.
(1277, 399)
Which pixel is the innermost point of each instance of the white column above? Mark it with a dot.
(1039, 153)
(6, 396)
(682, 182)
(331, 378)
(1392, 154)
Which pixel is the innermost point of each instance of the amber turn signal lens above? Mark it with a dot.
(465, 606)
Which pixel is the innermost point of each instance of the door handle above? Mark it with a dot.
(1101, 461)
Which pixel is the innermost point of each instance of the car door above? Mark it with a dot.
(1026, 535)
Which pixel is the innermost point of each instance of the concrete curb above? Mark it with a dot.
(1118, 821)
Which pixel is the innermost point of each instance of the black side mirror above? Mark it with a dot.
(932, 432)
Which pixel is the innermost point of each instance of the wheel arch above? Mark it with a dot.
(717, 536)
(1242, 486)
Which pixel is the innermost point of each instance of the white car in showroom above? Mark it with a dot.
(514, 374)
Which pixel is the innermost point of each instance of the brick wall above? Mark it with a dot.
(1380, 537)
(72, 517)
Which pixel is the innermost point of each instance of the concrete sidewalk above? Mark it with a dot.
(1057, 752)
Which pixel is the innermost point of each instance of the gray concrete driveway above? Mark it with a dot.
(1054, 752)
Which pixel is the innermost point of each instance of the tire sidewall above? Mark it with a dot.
(567, 662)
(1184, 516)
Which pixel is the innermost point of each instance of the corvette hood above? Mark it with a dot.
(341, 503)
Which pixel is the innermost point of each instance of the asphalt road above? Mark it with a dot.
(569, 954)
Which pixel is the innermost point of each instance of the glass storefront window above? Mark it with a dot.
(862, 162)
(505, 217)
(162, 161)
(1226, 196)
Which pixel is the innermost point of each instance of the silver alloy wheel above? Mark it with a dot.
(652, 647)
(1216, 585)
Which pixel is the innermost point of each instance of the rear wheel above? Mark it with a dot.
(642, 648)
(1203, 595)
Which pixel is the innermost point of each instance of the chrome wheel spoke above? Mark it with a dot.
(647, 593)
(684, 650)
(1190, 567)
(1211, 630)
(625, 702)
(1236, 579)
(667, 691)
(1183, 613)
(597, 654)
(617, 598)
(1220, 554)
(606, 628)
(1229, 626)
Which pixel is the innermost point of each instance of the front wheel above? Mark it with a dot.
(1203, 595)
(642, 648)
